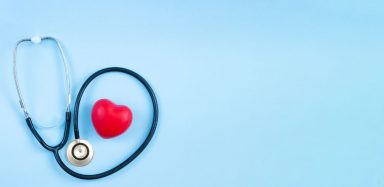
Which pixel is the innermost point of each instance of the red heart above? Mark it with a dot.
(110, 120)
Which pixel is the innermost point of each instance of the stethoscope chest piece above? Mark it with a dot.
(79, 152)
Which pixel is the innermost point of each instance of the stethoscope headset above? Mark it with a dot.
(79, 151)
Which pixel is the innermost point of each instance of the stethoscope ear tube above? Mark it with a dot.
(28, 119)
(37, 40)
(76, 127)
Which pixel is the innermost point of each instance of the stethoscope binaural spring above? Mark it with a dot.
(79, 151)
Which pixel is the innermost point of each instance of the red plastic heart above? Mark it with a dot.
(110, 120)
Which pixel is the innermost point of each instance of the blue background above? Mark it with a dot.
(264, 93)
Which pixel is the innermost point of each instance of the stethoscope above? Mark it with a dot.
(80, 152)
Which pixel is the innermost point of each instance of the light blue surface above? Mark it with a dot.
(251, 93)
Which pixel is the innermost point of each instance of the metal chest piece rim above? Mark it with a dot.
(79, 152)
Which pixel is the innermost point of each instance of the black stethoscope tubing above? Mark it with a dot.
(55, 149)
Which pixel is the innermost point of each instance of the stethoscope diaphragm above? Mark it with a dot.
(79, 152)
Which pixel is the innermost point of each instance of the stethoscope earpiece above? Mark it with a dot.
(79, 152)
